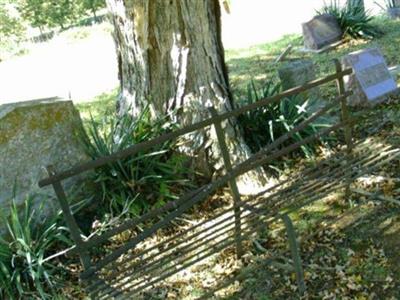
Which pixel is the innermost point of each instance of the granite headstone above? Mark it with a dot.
(371, 79)
(34, 134)
(298, 72)
(321, 31)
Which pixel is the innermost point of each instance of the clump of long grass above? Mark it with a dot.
(353, 19)
(262, 126)
(143, 180)
(26, 268)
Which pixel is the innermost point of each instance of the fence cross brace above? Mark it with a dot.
(232, 183)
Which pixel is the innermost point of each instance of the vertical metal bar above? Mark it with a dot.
(69, 219)
(294, 249)
(232, 183)
(345, 115)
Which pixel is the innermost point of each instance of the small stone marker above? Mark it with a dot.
(393, 12)
(371, 79)
(298, 72)
(34, 134)
(321, 31)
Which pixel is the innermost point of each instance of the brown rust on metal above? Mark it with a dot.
(69, 218)
(163, 138)
(232, 183)
(137, 271)
(197, 254)
(189, 247)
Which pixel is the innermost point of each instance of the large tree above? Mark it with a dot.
(171, 57)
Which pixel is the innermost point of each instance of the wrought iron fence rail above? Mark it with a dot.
(106, 277)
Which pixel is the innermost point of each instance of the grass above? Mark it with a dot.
(25, 268)
(364, 248)
(354, 21)
(258, 62)
(143, 180)
(98, 107)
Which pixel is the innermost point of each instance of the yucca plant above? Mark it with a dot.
(142, 180)
(25, 269)
(264, 125)
(352, 19)
(388, 3)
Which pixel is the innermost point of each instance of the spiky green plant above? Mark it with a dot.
(142, 180)
(25, 269)
(388, 4)
(353, 20)
(264, 125)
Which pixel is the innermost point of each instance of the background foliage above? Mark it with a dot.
(353, 19)
(53, 13)
(11, 29)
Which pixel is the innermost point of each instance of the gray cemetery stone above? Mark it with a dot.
(371, 80)
(394, 12)
(321, 31)
(298, 72)
(34, 134)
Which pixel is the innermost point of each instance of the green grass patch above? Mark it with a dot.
(98, 107)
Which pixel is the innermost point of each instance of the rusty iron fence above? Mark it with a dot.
(131, 269)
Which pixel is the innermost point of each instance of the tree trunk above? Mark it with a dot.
(170, 56)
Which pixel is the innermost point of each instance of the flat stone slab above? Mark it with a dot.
(371, 80)
(394, 12)
(34, 134)
(296, 73)
(321, 31)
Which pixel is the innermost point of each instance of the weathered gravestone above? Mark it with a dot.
(393, 12)
(298, 72)
(34, 134)
(371, 80)
(321, 31)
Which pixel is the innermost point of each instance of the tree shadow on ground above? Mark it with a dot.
(358, 255)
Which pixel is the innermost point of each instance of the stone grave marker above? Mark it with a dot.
(371, 80)
(321, 31)
(298, 72)
(34, 134)
(394, 12)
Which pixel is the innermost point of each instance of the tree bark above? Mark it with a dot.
(171, 57)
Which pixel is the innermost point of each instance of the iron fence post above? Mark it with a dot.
(294, 249)
(232, 183)
(69, 219)
(345, 115)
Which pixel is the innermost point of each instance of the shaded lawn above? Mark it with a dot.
(368, 246)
